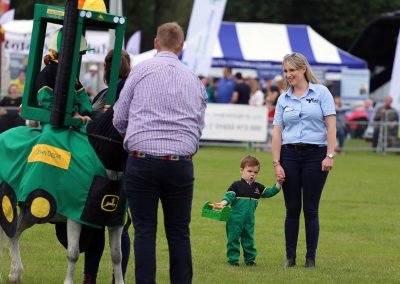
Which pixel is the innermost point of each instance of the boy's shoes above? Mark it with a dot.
(231, 263)
(310, 263)
(252, 263)
(290, 262)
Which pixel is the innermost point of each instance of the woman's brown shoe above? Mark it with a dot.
(290, 262)
(310, 263)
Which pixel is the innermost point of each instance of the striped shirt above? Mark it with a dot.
(161, 108)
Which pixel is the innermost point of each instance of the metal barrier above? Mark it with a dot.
(388, 139)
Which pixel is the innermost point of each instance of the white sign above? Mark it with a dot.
(395, 82)
(17, 39)
(202, 34)
(99, 41)
(230, 122)
(354, 85)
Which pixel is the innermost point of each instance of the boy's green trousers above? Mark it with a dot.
(240, 230)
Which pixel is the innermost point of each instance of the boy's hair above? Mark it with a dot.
(249, 161)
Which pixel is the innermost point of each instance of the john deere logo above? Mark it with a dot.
(50, 155)
(54, 12)
(257, 191)
(109, 203)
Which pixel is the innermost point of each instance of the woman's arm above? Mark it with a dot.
(330, 121)
(276, 153)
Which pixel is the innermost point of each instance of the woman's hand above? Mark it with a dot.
(106, 107)
(279, 174)
(327, 164)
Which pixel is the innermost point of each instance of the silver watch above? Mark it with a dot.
(330, 155)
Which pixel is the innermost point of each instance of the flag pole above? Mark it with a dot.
(115, 9)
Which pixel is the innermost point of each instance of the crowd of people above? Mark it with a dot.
(236, 89)
(9, 104)
(352, 119)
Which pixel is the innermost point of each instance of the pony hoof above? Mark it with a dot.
(14, 279)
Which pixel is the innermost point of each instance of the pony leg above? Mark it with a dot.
(116, 254)
(17, 268)
(2, 234)
(73, 234)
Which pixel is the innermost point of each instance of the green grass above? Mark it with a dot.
(359, 238)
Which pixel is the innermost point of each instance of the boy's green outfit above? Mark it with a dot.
(243, 198)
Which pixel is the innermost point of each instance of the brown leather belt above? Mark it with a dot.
(139, 154)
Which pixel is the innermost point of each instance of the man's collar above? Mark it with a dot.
(166, 54)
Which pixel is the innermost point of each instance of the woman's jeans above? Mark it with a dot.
(148, 180)
(304, 182)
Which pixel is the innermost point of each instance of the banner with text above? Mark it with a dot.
(394, 91)
(202, 34)
(228, 122)
(354, 85)
(17, 39)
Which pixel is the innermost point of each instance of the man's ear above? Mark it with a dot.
(155, 43)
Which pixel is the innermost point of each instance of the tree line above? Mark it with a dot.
(339, 21)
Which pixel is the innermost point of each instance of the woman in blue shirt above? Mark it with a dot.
(303, 144)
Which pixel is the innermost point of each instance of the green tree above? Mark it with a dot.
(339, 21)
(24, 9)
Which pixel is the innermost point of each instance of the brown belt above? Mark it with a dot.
(139, 154)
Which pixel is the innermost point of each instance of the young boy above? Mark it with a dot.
(243, 197)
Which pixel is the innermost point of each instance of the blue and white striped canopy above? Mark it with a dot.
(261, 45)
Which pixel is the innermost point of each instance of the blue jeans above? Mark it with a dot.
(148, 180)
(304, 182)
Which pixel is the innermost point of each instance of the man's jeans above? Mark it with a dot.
(148, 180)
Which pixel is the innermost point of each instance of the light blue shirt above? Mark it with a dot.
(225, 90)
(303, 120)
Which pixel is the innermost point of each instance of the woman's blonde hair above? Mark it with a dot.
(298, 61)
(254, 85)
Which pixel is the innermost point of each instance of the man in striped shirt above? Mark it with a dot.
(161, 113)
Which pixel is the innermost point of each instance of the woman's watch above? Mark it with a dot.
(275, 162)
(330, 155)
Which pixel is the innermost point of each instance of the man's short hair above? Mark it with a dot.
(170, 36)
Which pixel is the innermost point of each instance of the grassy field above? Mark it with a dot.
(359, 239)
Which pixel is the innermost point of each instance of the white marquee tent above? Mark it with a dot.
(262, 45)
